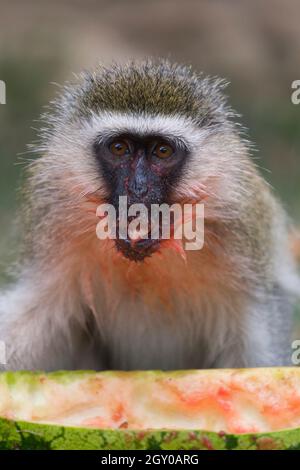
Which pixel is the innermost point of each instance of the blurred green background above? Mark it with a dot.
(254, 44)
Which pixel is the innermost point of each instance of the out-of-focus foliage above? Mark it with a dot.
(27, 84)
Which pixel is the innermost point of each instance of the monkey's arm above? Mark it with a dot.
(262, 337)
(39, 328)
(269, 283)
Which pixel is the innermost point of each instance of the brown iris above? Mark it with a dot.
(163, 150)
(119, 148)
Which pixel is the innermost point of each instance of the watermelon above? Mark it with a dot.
(196, 409)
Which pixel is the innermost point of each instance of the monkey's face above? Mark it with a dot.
(155, 133)
(144, 169)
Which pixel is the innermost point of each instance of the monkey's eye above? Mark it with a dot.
(163, 150)
(119, 148)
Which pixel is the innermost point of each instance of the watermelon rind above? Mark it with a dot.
(22, 435)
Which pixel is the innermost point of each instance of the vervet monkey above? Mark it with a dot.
(156, 133)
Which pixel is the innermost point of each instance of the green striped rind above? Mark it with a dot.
(32, 436)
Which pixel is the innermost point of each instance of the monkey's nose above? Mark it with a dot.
(138, 183)
(138, 189)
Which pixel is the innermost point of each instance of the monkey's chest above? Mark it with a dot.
(137, 338)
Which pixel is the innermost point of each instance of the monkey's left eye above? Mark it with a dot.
(163, 150)
(119, 148)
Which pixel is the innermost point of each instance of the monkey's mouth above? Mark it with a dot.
(137, 250)
(137, 244)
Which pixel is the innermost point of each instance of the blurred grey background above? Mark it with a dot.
(255, 44)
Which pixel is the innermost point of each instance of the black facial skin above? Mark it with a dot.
(145, 169)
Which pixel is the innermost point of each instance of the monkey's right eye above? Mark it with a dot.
(119, 148)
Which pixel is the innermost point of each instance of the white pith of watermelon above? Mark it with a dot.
(233, 401)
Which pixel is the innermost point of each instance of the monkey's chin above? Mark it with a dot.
(138, 250)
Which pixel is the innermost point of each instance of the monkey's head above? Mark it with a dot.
(154, 132)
